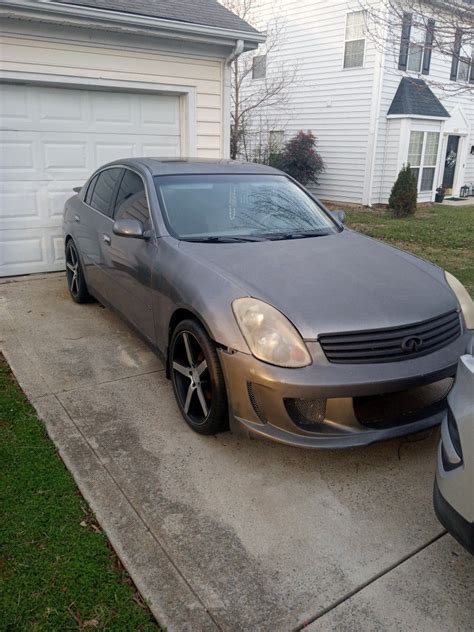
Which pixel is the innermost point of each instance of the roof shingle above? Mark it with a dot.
(205, 12)
(415, 97)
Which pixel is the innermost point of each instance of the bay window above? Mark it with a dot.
(422, 157)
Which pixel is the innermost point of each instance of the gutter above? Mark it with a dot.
(74, 15)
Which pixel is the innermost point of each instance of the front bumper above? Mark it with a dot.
(457, 525)
(259, 393)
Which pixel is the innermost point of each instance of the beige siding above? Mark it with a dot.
(120, 58)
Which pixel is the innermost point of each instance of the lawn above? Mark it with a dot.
(441, 234)
(57, 570)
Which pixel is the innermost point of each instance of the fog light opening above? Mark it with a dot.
(307, 414)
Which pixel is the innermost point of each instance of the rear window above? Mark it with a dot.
(104, 189)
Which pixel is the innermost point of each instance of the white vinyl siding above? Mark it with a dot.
(331, 101)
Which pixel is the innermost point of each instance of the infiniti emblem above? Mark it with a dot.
(412, 344)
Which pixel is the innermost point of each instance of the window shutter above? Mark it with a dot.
(428, 47)
(456, 53)
(471, 74)
(405, 41)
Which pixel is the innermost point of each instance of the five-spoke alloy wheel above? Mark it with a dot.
(74, 274)
(197, 378)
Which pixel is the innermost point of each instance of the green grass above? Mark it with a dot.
(57, 571)
(441, 234)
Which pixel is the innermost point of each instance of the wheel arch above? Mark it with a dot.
(178, 315)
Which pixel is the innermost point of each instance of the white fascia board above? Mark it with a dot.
(75, 15)
(417, 116)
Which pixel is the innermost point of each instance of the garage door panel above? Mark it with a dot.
(34, 204)
(107, 151)
(17, 155)
(53, 140)
(31, 250)
(160, 150)
(15, 107)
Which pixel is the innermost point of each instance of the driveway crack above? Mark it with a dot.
(370, 581)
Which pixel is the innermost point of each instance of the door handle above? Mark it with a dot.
(106, 238)
(77, 219)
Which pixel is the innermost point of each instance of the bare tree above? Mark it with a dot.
(448, 26)
(255, 102)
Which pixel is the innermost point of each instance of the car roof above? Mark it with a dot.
(196, 166)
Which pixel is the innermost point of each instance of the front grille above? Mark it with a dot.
(394, 409)
(389, 345)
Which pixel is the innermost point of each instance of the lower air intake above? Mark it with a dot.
(402, 407)
(307, 414)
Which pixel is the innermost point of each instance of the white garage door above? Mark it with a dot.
(51, 139)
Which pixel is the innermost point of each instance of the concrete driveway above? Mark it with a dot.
(228, 533)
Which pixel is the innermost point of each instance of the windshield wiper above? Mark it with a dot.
(224, 240)
(296, 235)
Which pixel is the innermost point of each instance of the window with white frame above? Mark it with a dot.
(416, 48)
(465, 61)
(276, 141)
(354, 50)
(422, 158)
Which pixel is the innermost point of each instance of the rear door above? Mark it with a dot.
(131, 259)
(95, 230)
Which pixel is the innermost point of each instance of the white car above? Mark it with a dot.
(454, 485)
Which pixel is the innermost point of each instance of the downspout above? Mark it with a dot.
(236, 52)
(226, 100)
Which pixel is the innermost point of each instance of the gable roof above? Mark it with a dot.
(414, 97)
(205, 12)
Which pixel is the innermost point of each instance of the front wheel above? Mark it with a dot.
(197, 379)
(75, 275)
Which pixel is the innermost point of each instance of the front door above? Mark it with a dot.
(452, 152)
(131, 259)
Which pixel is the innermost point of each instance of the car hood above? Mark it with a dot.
(337, 283)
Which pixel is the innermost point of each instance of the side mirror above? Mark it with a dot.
(339, 216)
(130, 228)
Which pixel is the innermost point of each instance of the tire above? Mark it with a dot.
(198, 382)
(75, 276)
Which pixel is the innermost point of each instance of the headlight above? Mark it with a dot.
(464, 299)
(270, 336)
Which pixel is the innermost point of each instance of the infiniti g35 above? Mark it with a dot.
(270, 315)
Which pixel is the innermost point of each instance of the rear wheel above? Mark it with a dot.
(75, 275)
(197, 378)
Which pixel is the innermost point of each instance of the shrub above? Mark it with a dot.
(300, 159)
(402, 202)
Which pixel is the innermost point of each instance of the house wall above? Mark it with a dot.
(99, 55)
(347, 109)
(333, 102)
(452, 95)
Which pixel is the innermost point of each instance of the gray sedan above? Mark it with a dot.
(269, 314)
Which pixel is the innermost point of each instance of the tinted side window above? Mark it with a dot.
(104, 190)
(90, 190)
(131, 199)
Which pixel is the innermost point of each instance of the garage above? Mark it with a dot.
(51, 139)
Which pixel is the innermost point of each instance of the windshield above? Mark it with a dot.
(216, 207)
